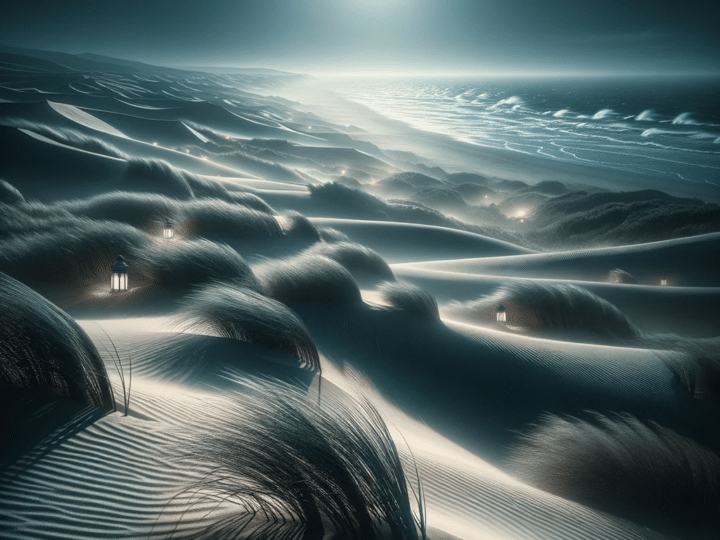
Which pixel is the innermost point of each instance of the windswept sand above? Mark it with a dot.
(293, 260)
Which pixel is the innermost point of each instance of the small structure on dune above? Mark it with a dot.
(119, 279)
(663, 281)
(168, 231)
(501, 314)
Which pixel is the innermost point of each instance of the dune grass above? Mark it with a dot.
(541, 307)
(696, 363)
(73, 138)
(181, 265)
(71, 251)
(9, 194)
(642, 472)
(156, 176)
(213, 217)
(293, 470)
(411, 299)
(50, 246)
(42, 347)
(239, 313)
(355, 258)
(308, 278)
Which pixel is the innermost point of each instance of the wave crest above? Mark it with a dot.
(685, 118)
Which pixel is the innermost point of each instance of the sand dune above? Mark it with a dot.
(683, 262)
(309, 345)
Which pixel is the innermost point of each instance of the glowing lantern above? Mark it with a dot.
(663, 282)
(119, 279)
(501, 314)
(168, 231)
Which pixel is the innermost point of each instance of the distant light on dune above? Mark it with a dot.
(187, 151)
(154, 144)
(343, 171)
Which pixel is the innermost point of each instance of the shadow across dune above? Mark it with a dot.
(283, 466)
(640, 471)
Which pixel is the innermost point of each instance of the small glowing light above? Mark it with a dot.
(154, 144)
(168, 231)
(501, 314)
(204, 158)
(343, 171)
(227, 137)
(485, 197)
(187, 151)
(309, 127)
(522, 220)
(119, 278)
(663, 282)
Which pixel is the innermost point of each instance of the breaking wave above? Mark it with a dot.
(685, 118)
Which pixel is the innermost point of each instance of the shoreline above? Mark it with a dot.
(456, 155)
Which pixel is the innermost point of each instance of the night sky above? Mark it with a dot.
(443, 36)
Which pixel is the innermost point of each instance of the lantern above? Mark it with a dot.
(168, 231)
(119, 279)
(663, 282)
(501, 314)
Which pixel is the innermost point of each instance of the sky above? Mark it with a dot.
(382, 36)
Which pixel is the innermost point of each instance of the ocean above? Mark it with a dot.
(657, 127)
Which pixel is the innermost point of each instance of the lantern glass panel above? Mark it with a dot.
(167, 232)
(663, 282)
(501, 316)
(118, 282)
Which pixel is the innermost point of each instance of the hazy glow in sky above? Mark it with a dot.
(462, 36)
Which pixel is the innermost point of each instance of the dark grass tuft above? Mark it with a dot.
(294, 470)
(31, 217)
(308, 278)
(250, 200)
(642, 472)
(355, 258)
(9, 194)
(73, 252)
(239, 313)
(158, 177)
(330, 235)
(79, 253)
(212, 217)
(298, 225)
(141, 210)
(150, 211)
(411, 299)
(696, 363)
(193, 262)
(551, 307)
(42, 347)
